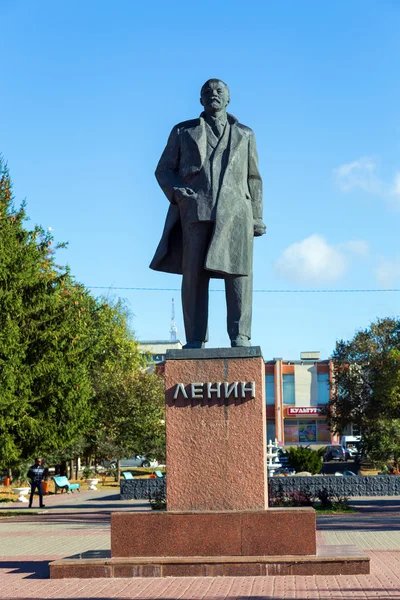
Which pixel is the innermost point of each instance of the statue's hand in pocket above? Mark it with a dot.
(184, 193)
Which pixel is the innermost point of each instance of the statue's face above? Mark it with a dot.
(214, 96)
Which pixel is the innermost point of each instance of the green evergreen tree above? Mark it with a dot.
(71, 374)
(45, 388)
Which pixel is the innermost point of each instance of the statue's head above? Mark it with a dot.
(214, 96)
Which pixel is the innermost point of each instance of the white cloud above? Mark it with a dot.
(359, 174)
(388, 272)
(311, 260)
(396, 184)
(358, 247)
(395, 191)
(314, 260)
(362, 174)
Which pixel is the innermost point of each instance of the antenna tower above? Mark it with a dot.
(174, 329)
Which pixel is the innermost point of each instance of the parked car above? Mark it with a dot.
(334, 452)
(134, 461)
(347, 454)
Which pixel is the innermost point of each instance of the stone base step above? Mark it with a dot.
(329, 560)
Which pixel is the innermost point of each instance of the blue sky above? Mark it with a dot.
(90, 91)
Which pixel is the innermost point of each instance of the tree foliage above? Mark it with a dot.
(41, 337)
(366, 387)
(381, 441)
(129, 401)
(69, 365)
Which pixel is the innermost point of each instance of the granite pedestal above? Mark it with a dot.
(217, 520)
(216, 430)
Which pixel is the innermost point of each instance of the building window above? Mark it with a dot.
(291, 431)
(324, 433)
(271, 431)
(306, 431)
(270, 389)
(323, 388)
(288, 390)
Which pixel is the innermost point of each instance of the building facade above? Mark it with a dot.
(296, 393)
(158, 348)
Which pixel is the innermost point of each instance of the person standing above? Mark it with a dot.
(36, 474)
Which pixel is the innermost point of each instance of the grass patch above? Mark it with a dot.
(7, 496)
(4, 514)
(333, 511)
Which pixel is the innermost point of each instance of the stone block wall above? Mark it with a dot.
(379, 485)
(139, 489)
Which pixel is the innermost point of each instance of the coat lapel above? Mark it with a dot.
(199, 136)
(236, 137)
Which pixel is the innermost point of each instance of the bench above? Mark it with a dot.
(62, 484)
(127, 475)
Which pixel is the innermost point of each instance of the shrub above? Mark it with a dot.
(87, 472)
(324, 497)
(302, 458)
(276, 498)
(291, 498)
(340, 502)
(157, 499)
(286, 498)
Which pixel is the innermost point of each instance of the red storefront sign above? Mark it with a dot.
(303, 410)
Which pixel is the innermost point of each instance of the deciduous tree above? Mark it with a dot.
(366, 387)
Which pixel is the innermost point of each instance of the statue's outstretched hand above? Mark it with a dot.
(259, 227)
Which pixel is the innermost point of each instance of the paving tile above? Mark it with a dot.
(365, 540)
(80, 525)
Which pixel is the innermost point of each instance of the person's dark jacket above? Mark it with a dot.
(36, 473)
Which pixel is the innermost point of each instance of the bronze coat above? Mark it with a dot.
(239, 202)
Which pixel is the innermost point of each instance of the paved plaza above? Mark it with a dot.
(79, 525)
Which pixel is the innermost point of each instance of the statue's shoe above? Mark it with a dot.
(193, 345)
(241, 341)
